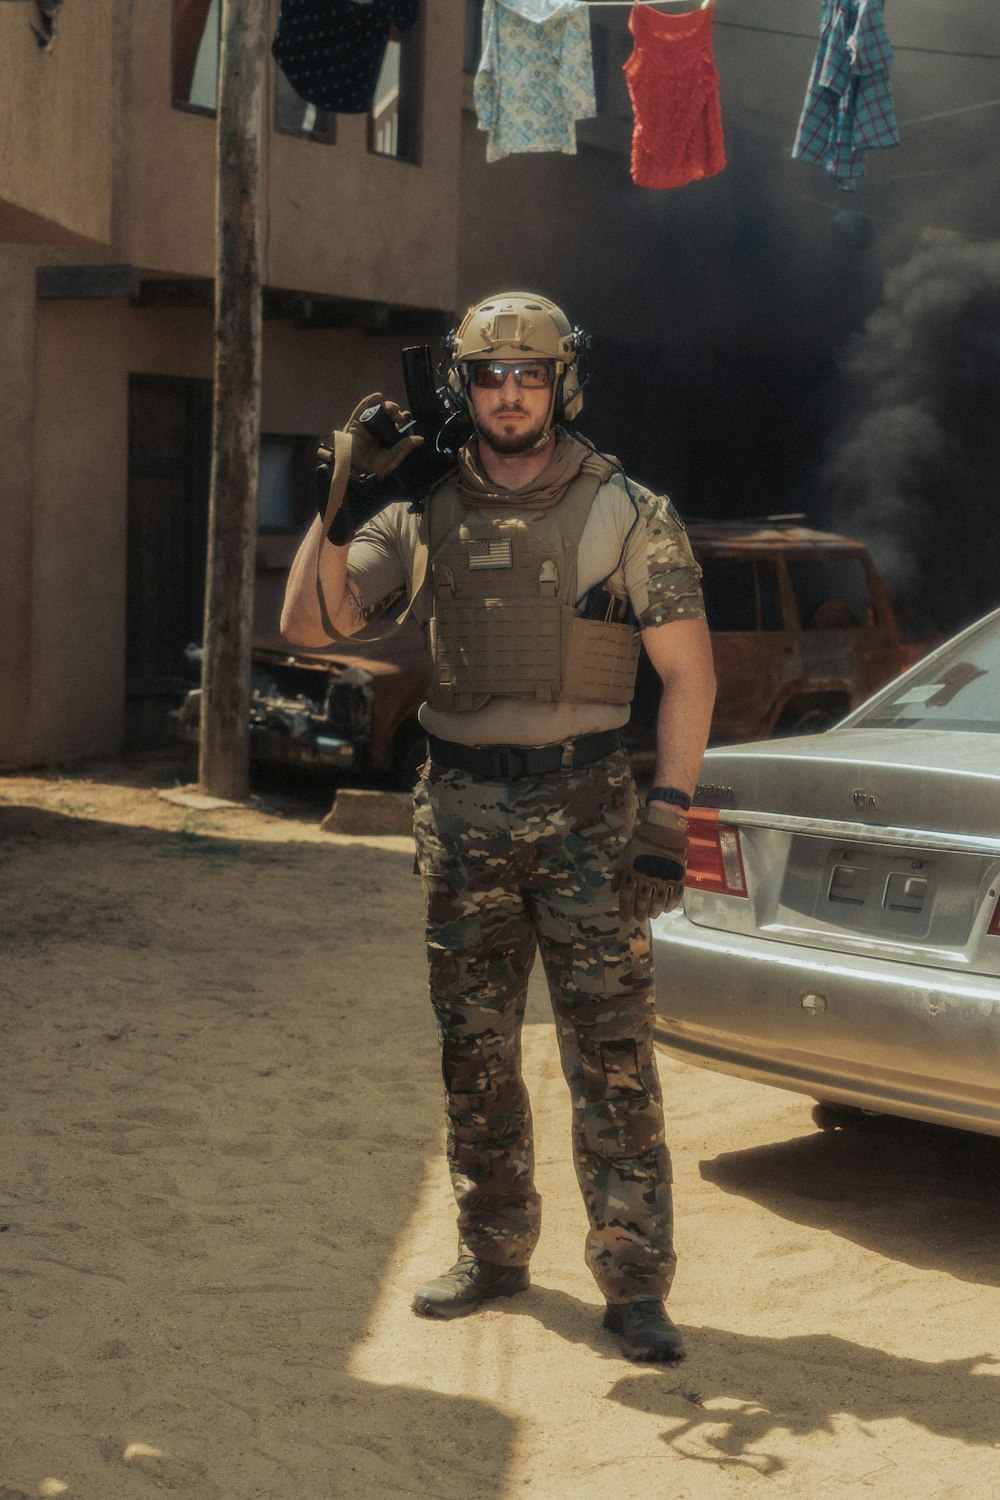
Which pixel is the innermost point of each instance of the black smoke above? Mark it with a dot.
(913, 464)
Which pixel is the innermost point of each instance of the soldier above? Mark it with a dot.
(536, 568)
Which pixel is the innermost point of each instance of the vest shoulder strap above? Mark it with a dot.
(577, 503)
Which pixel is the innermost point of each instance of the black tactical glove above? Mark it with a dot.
(651, 879)
(353, 462)
(368, 454)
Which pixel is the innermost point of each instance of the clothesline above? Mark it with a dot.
(593, 4)
(804, 36)
(810, 36)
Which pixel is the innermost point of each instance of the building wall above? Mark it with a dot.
(17, 298)
(61, 105)
(64, 608)
(85, 353)
(97, 168)
(349, 223)
(337, 220)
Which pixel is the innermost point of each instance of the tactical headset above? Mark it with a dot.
(512, 324)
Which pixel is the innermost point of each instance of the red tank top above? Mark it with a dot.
(673, 84)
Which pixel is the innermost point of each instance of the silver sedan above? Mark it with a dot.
(840, 933)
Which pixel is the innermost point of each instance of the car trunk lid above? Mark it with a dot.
(863, 844)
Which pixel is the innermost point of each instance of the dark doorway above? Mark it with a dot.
(169, 439)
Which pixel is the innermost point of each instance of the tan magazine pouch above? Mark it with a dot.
(600, 661)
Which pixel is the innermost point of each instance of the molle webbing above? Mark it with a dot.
(504, 621)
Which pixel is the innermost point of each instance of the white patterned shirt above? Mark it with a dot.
(535, 77)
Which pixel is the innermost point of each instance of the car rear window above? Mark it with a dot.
(740, 594)
(831, 592)
(958, 689)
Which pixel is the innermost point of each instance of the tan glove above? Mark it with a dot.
(651, 879)
(368, 456)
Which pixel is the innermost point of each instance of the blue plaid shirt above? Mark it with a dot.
(848, 106)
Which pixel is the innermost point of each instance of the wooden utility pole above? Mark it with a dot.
(224, 748)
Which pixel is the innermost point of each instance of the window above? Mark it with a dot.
(196, 74)
(196, 54)
(959, 689)
(741, 595)
(286, 485)
(394, 119)
(473, 46)
(831, 592)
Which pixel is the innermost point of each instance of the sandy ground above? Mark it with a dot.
(223, 1174)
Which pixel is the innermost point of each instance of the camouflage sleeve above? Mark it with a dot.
(663, 578)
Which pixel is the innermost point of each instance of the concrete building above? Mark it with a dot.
(721, 312)
(107, 174)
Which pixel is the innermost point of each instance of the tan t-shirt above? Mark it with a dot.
(635, 546)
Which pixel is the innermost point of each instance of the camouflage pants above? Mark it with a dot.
(505, 868)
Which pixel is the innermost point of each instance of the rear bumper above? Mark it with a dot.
(896, 1038)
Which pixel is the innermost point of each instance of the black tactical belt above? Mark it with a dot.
(508, 762)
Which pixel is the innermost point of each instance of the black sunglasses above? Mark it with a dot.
(491, 374)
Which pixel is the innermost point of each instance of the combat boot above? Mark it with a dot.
(645, 1329)
(469, 1282)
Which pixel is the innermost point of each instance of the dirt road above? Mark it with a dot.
(223, 1174)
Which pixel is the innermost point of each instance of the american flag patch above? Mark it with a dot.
(495, 554)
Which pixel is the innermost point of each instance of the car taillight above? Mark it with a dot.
(715, 859)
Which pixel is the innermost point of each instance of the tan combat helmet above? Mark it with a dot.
(515, 323)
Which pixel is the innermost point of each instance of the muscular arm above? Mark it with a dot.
(681, 653)
(301, 620)
(651, 879)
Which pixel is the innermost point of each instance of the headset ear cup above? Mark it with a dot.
(456, 385)
(570, 398)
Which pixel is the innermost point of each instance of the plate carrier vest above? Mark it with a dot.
(503, 604)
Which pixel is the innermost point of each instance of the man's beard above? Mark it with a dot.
(510, 443)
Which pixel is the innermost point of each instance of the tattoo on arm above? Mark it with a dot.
(362, 613)
(355, 603)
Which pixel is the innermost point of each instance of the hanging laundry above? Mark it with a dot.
(673, 84)
(331, 51)
(535, 77)
(848, 106)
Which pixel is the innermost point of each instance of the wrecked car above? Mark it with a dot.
(344, 708)
(802, 627)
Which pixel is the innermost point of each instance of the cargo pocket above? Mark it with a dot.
(466, 1069)
(620, 1061)
(628, 1121)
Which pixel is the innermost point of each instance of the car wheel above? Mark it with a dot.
(828, 1116)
